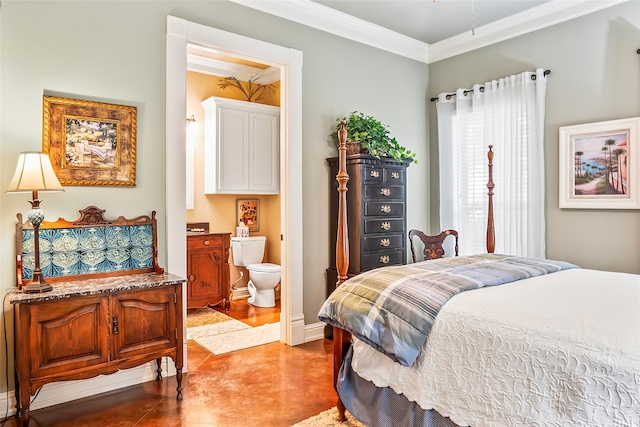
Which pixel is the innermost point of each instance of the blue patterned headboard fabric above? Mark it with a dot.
(90, 245)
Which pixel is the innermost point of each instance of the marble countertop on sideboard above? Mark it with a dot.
(97, 286)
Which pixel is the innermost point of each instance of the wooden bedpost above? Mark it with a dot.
(341, 338)
(491, 235)
(342, 240)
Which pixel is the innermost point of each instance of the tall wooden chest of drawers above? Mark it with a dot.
(376, 213)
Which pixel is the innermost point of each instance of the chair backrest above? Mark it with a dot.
(432, 244)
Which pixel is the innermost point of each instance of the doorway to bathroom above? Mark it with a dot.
(180, 34)
(233, 108)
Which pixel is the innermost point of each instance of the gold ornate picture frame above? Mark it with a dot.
(90, 143)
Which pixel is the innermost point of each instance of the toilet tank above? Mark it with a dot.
(247, 250)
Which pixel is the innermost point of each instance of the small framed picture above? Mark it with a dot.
(90, 143)
(248, 213)
(599, 165)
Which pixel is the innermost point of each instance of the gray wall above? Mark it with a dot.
(595, 76)
(115, 52)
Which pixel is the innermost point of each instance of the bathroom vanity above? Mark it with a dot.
(208, 282)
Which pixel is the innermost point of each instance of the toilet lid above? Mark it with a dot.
(264, 267)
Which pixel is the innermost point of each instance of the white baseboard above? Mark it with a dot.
(314, 331)
(240, 293)
(66, 391)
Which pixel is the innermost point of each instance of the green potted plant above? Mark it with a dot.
(366, 134)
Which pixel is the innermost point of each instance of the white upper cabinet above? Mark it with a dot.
(241, 147)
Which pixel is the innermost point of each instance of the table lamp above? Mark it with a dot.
(34, 173)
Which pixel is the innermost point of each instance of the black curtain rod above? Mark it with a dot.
(449, 95)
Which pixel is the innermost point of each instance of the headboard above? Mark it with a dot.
(89, 247)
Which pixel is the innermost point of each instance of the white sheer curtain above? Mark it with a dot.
(509, 114)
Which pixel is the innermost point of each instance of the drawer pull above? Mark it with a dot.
(385, 225)
(385, 242)
(384, 259)
(375, 174)
(385, 208)
(192, 277)
(385, 191)
(206, 243)
(395, 175)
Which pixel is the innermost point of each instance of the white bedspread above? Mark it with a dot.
(557, 350)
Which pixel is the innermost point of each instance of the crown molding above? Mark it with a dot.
(324, 18)
(312, 14)
(545, 15)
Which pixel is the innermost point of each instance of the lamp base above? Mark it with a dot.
(37, 288)
(37, 284)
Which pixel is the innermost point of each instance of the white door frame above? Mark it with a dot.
(180, 32)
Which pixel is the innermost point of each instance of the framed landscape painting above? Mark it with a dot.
(599, 165)
(90, 143)
(248, 213)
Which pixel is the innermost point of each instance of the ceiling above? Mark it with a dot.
(423, 30)
(431, 21)
(428, 30)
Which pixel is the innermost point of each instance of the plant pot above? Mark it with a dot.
(354, 148)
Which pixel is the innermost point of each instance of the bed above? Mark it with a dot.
(483, 340)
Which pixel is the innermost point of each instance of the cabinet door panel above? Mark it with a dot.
(265, 143)
(205, 274)
(234, 131)
(146, 322)
(67, 335)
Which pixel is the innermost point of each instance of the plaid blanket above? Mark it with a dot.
(393, 308)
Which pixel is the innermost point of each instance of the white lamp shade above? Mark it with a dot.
(34, 173)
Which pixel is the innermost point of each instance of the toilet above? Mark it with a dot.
(263, 277)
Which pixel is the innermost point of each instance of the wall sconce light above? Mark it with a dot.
(34, 173)
(192, 125)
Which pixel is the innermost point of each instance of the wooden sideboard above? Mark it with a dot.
(87, 328)
(208, 270)
(111, 306)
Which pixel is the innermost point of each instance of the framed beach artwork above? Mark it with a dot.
(248, 213)
(599, 165)
(90, 143)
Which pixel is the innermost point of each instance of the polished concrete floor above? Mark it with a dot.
(270, 385)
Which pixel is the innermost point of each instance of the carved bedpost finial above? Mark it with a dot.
(491, 236)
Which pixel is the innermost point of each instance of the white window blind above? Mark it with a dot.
(508, 114)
